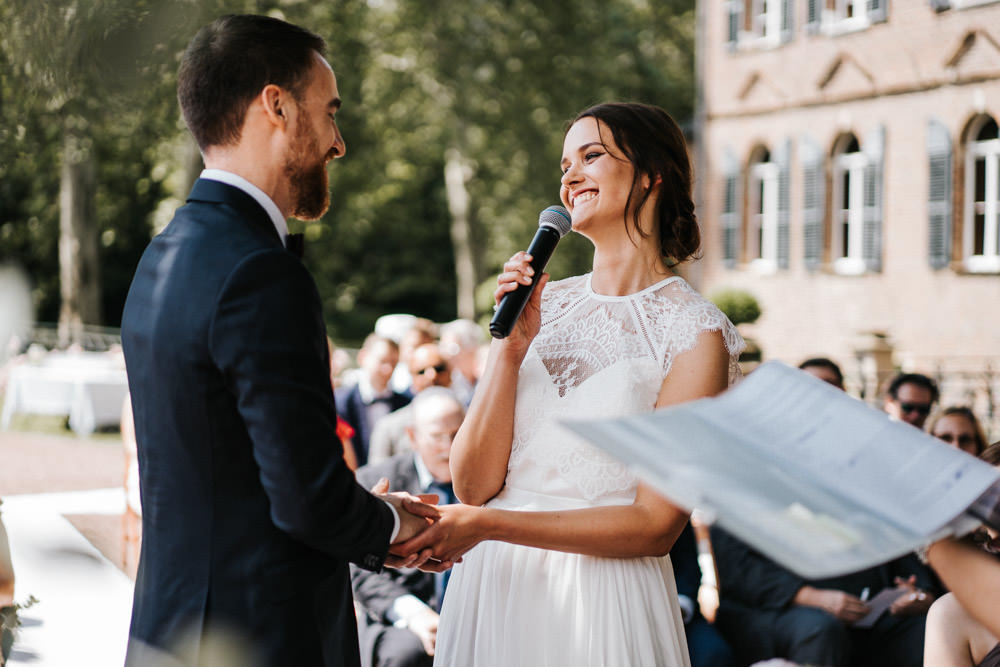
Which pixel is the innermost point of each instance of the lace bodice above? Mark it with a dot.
(600, 356)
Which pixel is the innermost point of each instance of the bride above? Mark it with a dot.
(564, 553)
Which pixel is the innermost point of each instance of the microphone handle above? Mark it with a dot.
(514, 302)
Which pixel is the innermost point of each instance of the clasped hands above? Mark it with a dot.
(431, 537)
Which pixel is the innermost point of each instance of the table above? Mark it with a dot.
(87, 387)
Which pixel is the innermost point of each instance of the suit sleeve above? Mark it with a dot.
(269, 341)
(377, 591)
(748, 577)
(684, 558)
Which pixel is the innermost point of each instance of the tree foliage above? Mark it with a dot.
(490, 83)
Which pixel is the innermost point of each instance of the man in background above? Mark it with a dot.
(428, 368)
(910, 397)
(398, 615)
(363, 404)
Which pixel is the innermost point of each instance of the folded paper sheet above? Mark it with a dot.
(813, 478)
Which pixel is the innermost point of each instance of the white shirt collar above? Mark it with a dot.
(423, 474)
(367, 391)
(229, 178)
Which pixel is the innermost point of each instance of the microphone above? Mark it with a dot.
(553, 223)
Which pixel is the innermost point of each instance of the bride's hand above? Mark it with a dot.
(458, 530)
(517, 271)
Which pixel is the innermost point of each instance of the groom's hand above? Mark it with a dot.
(416, 514)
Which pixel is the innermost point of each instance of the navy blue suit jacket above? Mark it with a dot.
(250, 515)
(354, 411)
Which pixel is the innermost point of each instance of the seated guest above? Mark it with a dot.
(910, 397)
(460, 342)
(428, 369)
(958, 426)
(954, 637)
(363, 404)
(419, 331)
(766, 611)
(706, 646)
(398, 623)
(825, 369)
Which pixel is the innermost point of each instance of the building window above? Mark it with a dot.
(981, 240)
(840, 16)
(848, 208)
(758, 23)
(765, 21)
(762, 199)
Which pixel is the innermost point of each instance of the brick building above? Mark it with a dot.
(848, 166)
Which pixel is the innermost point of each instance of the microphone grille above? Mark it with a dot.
(556, 218)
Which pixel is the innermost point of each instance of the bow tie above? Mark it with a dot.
(296, 244)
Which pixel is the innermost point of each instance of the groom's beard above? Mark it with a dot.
(310, 186)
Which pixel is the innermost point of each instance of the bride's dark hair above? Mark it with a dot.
(655, 146)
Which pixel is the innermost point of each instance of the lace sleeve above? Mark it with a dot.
(679, 319)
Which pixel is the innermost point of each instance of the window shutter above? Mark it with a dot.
(814, 15)
(939, 194)
(877, 10)
(871, 245)
(813, 201)
(787, 21)
(782, 158)
(731, 211)
(940, 5)
(735, 9)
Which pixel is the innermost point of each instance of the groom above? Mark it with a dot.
(250, 515)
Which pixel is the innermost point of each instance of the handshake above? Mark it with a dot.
(431, 537)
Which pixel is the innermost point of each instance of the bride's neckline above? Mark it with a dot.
(615, 297)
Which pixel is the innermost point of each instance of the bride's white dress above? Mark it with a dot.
(509, 605)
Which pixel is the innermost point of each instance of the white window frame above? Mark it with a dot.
(764, 216)
(989, 260)
(765, 21)
(837, 22)
(849, 260)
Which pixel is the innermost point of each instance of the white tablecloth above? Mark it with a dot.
(89, 388)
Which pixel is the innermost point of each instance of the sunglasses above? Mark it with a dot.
(921, 408)
(438, 368)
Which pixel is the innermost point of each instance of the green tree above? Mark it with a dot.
(453, 117)
(86, 98)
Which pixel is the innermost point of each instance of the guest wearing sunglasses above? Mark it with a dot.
(428, 368)
(910, 398)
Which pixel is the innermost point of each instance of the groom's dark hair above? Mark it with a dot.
(230, 61)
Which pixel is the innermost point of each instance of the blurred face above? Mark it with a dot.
(315, 142)
(379, 361)
(957, 431)
(429, 368)
(597, 177)
(911, 405)
(825, 374)
(432, 433)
